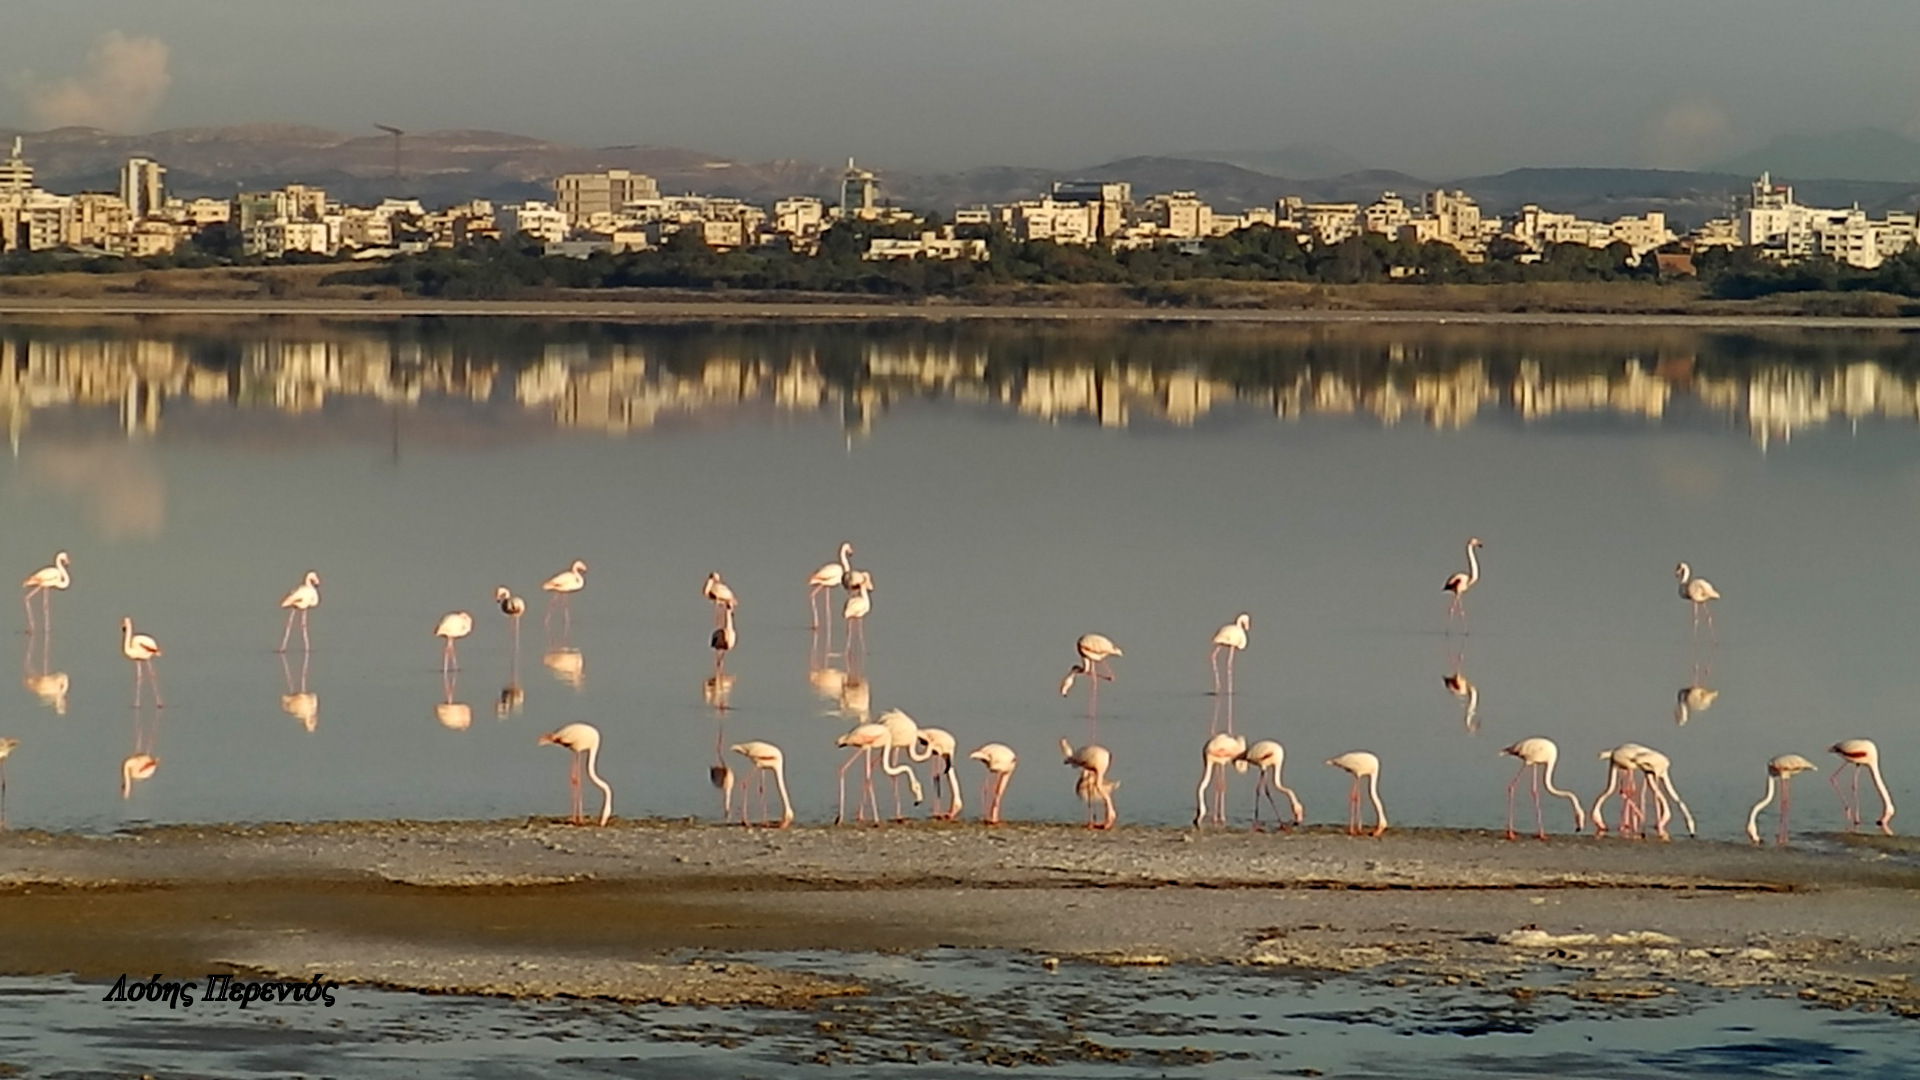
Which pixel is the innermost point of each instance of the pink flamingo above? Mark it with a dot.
(902, 733)
(1220, 751)
(1000, 761)
(304, 598)
(720, 594)
(6, 751)
(1782, 769)
(1620, 776)
(826, 579)
(1537, 755)
(724, 640)
(1862, 754)
(859, 603)
(141, 649)
(1460, 582)
(512, 607)
(937, 745)
(1362, 766)
(1093, 762)
(766, 758)
(453, 626)
(584, 741)
(137, 766)
(863, 740)
(39, 582)
(1697, 591)
(1094, 650)
(561, 587)
(1233, 638)
(1267, 758)
(1659, 770)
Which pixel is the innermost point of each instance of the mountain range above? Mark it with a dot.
(443, 167)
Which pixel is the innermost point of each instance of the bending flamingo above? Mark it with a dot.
(1095, 650)
(1862, 754)
(1781, 769)
(304, 598)
(1220, 751)
(141, 649)
(766, 758)
(937, 745)
(1363, 766)
(1000, 761)
(1620, 777)
(902, 733)
(1537, 755)
(584, 741)
(561, 587)
(1093, 762)
(1459, 583)
(453, 626)
(1233, 638)
(826, 579)
(39, 582)
(6, 751)
(1267, 758)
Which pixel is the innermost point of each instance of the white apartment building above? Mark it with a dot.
(929, 244)
(141, 187)
(589, 199)
(1048, 219)
(1178, 215)
(539, 220)
(1783, 229)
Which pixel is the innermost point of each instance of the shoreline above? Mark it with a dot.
(651, 911)
(646, 311)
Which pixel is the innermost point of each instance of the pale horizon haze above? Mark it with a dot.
(1439, 88)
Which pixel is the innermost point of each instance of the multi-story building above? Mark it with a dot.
(589, 199)
(941, 244)
(1178, 215)
(1112, 202)
(535, 219)
(1385, 215)
(1046, 219)
(1326, 223)
(141, 188)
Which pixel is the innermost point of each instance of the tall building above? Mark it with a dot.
(16, 176)
(141, 188)
(583, 197)
(1112, 202)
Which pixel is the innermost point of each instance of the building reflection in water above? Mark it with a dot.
(620, 379)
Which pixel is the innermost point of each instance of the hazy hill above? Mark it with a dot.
(1860, 154)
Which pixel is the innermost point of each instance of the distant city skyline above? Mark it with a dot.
(1432, 88)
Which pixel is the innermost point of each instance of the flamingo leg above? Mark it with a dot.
(288, 632)
(840, 815)
(873, 799)
(1539, 817)
(1511, 786)
(999, 792)
(1353, 808)
(305, 642)
(1786, 802)
(1213, 661)
(153, 675)
(1833, 779)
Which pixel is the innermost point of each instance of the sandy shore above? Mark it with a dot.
(855, 311)
(540, 909)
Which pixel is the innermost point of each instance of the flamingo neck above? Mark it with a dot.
(606, 807)
(1753, 815)
(1373, 792)
(1473, 564)
(780, 781)
(1880, 785)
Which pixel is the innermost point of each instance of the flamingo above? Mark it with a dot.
(6, 751)
(1619, 775)
(1094, 650)
(1363, 766)
(1537, 755)
(1862, 754)
(1093, 761)
(718, 592)
(902, 733)
(453, 626)
(766, 758)
(1659, 770)
(724, 639)
(859, 603)
(39, 582)
(864, 739)
(561, 587)
(1459, 583)
(512, 607)
(1268, 757)
(1000, 761)
(1697, 591)
(1692, 698)
(938, 745)
(304, 598)
(582, 739)
(1220, 751)
(1783, 769)
(826, 578)
(141, 649)
(1233, 638)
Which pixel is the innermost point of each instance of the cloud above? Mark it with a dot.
(1686, 132)
(125, 82)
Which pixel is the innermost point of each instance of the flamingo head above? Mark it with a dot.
(579, 566)
(1475, 542)
(1683, 571)
(313, 577)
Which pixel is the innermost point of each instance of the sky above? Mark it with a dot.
(1434, 87)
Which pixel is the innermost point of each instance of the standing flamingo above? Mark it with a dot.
(583, 740)
(1782, 769)
(718, 592)
(723, 640)
(141, 649)
(938, 745)
(304, 598)
(1697, 591)
(512, 607)
(1233, 638)
(1000, 761)
(826, 579)
(1095, 650)
(1537, 755)
(39, 582)
(453, 626)
(1363, 766)
(1862, 754)
(561, 587)
(1268, 758)
(859, 603)
(1459, 583)
(1220, 751)
(6, 751)
(766, 758)
(863, 740)
(902, 733)
(1093, 762)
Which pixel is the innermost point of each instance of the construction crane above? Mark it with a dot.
(396, 133)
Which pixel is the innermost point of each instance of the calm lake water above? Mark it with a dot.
(1009, 487)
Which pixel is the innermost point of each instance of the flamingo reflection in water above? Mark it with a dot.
(143, 762)
(300, 703)
(452, 715)
(1692, 698)
(569, 665)
(50, 686)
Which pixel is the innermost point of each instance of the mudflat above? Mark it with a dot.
(649, 911)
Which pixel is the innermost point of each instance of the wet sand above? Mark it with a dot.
(538, 908)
